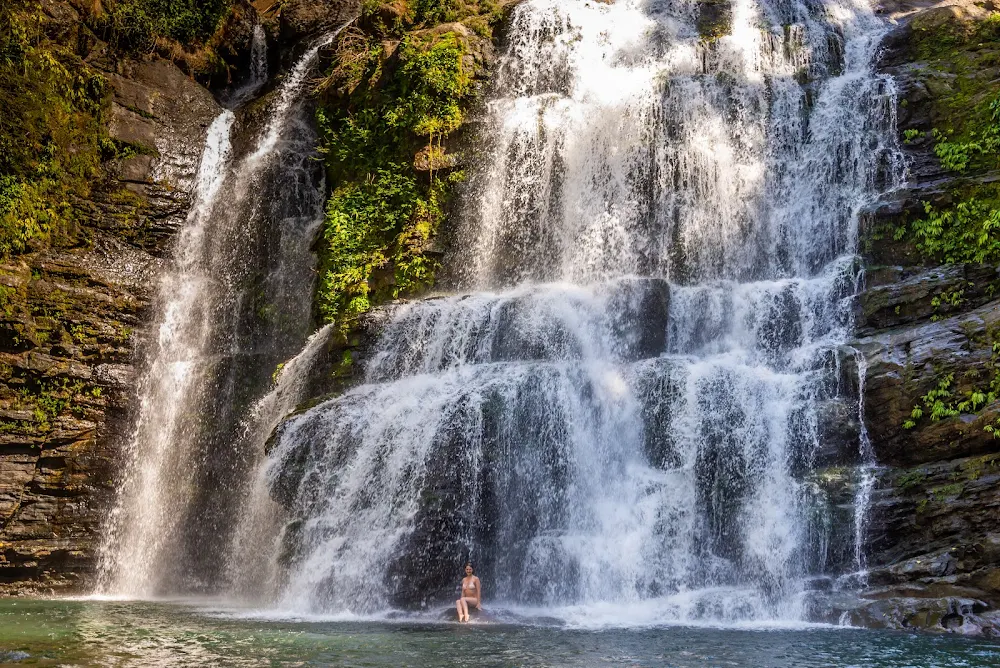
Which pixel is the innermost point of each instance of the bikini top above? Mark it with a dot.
(471, 585)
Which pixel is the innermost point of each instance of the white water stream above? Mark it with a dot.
(146, 516)
(625, 410)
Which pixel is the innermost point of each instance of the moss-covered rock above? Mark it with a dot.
(932, 315)
(206, 38)
(947, 61)
(715, 19)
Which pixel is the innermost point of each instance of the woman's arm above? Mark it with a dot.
(479, 594)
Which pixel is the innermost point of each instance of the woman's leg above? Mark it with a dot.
(458, 606)
(466, 600)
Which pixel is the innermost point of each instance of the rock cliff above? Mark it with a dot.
(930, 325)
(74, 304)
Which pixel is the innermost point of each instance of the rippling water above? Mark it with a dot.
(108, 633)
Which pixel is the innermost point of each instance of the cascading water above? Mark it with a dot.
(235, 302)
(660, 248)
(138, 529)
(257, 77)
(254, 578)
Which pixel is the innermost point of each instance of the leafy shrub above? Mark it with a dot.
(983, 141)
(134, 25)
(965, 232)
(382, 216)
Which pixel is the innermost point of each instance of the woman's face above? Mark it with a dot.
(468, 570)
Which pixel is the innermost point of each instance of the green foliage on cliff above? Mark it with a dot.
(134, 25)
(385, 113)
(400, 17)
(968, 231)
(387, 103)
(945, 400)
(979, 146)
(964, 107)
(962, 55)
(374, 241)
(50, 127)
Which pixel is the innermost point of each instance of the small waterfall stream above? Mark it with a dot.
(146, 517)
(627, 402)
(235, 301)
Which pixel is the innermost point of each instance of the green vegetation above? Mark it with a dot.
(53, 134)
(965, 111)
(968, 231)
(53, 106)
(715, 20)
(964, 108)
(48, 400)
(945, 400)
(910, 480)
(395, 91)
(973, 469)
(945, 491)
(134, 25)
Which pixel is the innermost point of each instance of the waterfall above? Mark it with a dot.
(257, 77)
(234, 302)
(156, 470)
(617, 415)
(252, 557)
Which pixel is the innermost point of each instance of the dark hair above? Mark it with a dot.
(468, 564)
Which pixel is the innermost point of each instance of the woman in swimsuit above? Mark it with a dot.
(472, 592)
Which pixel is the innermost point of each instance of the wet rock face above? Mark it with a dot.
(158, 108)
(904, 364)
(298, 19)
(929, 334)
(70, 319)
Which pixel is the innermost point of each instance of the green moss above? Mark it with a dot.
(715, 20)
(49, 399)
(8, 300)
(943, 492)
(963, 56)
(910, 480)
(53, 108)
(973, 469)
(115, 149)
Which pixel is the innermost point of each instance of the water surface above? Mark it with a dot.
(107, 633)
